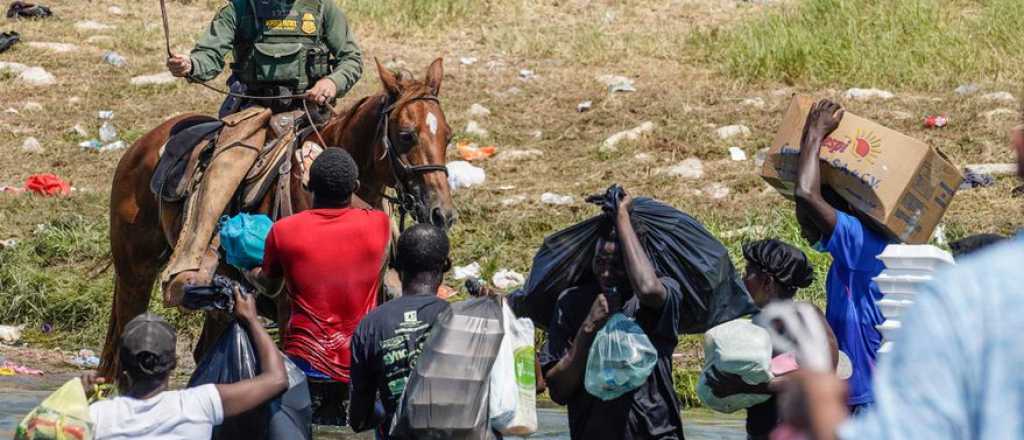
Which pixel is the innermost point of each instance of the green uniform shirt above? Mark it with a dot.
(208, 55)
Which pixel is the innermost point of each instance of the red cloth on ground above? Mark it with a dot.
(331, 260)
(47, 184)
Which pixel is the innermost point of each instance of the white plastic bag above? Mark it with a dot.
(520, 333)
(620, 359)
(504, 393)
(737, 347)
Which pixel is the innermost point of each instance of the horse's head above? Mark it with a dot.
(416, 140)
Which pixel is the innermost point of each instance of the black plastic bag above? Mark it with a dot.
(446, 396)
(679, 247)
(232, 359)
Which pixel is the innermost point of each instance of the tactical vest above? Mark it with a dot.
(279, 43)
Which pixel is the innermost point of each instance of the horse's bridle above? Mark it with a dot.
(409, 202)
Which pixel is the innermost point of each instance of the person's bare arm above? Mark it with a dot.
(239, 397)
(566, 377)
(814, 402)
(823, 119)
(648, 288)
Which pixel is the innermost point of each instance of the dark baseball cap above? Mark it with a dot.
(148, 345)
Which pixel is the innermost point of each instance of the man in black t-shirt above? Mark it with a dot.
(389, 340)
(626, 282)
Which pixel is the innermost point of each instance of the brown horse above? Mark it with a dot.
(398, 138)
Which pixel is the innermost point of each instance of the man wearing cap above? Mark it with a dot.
(145, 409)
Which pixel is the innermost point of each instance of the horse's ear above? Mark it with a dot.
(388, 79)
(435, 73)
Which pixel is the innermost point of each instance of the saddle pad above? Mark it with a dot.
(172, 164)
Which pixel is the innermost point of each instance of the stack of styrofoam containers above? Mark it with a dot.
(907, 268)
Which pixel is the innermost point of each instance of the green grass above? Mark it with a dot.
(919, 44)
(403, 12)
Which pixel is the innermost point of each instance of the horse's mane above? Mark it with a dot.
(411, 88)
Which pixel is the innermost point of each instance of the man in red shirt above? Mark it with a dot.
(330, 257)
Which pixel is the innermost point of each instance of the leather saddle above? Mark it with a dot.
(190, 149)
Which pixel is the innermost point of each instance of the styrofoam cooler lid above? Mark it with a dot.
(921, 257)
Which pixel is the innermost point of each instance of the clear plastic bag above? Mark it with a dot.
(446, 395)
(504, 393)
(620, 360)
(736, 347)
(514, 379)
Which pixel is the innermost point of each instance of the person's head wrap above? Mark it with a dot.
(787, 265)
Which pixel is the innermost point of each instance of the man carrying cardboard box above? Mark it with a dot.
(827, 221)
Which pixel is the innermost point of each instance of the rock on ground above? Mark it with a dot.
(478, 111)
(1000, 113)
(999, 97)
(753, 102)
(520, 154)
(967, 89)
(730, 131)
(691, 168)
(31, 145)
(555, 199)
(632, 134)
(54, 47)
(717, 191)
(37, 76)
(15, 68)
(154, 79)
(90, 25)
(866, 94)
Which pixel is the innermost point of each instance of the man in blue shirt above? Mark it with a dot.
(851, 293)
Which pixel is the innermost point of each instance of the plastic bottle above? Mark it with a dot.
(107, 131)
(114, 59)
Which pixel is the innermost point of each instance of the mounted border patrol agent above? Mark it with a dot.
(288, 51)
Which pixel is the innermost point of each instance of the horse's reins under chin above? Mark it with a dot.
(407, 201)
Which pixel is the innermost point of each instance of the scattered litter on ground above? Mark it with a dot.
(1000, 113)
(11, 189)
(536, 134)
(469, 270)
(730, 131)
(90, 25)
(584, 106)
(463, 175)
(8, 39)
(20, 9)
(474, 128)
(47, 184)
(616, 83)
(974, 179)
(512, 201)
(506, 187)
(967, 89)
(114, 10)
(37, 76)
(32, 106)
(935, 121)
(114, 59)
(107, 131)
(445, 292)
(78, 130)
(633, 134)
(478, 111)
(31, 145)
(154, 79)
(9, 243)
(10, 334)
(737, 154)
(470, 151)
(717, 191)
(7, 66)
(526, 74)
(746, 231)
(114, 146)
(761, 157)
(91, 144)
(520, 154)
(468, 61)
(12, 110)
(506, 279)
(555, 199)
(46, 327)
(753, 102)
(995, 169)
(85, 359)
(691, 168)
(865, 94)
(999, 97)
(939, 235)
(643, 157)
(8, 368)
(53, 47)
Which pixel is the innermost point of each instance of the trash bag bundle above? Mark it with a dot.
(446, 396)
(243, 237)
(737, 347)
(679, 247)
(620, 359)
(64, 415)
(232, 359)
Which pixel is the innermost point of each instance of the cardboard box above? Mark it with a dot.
(900, 183)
